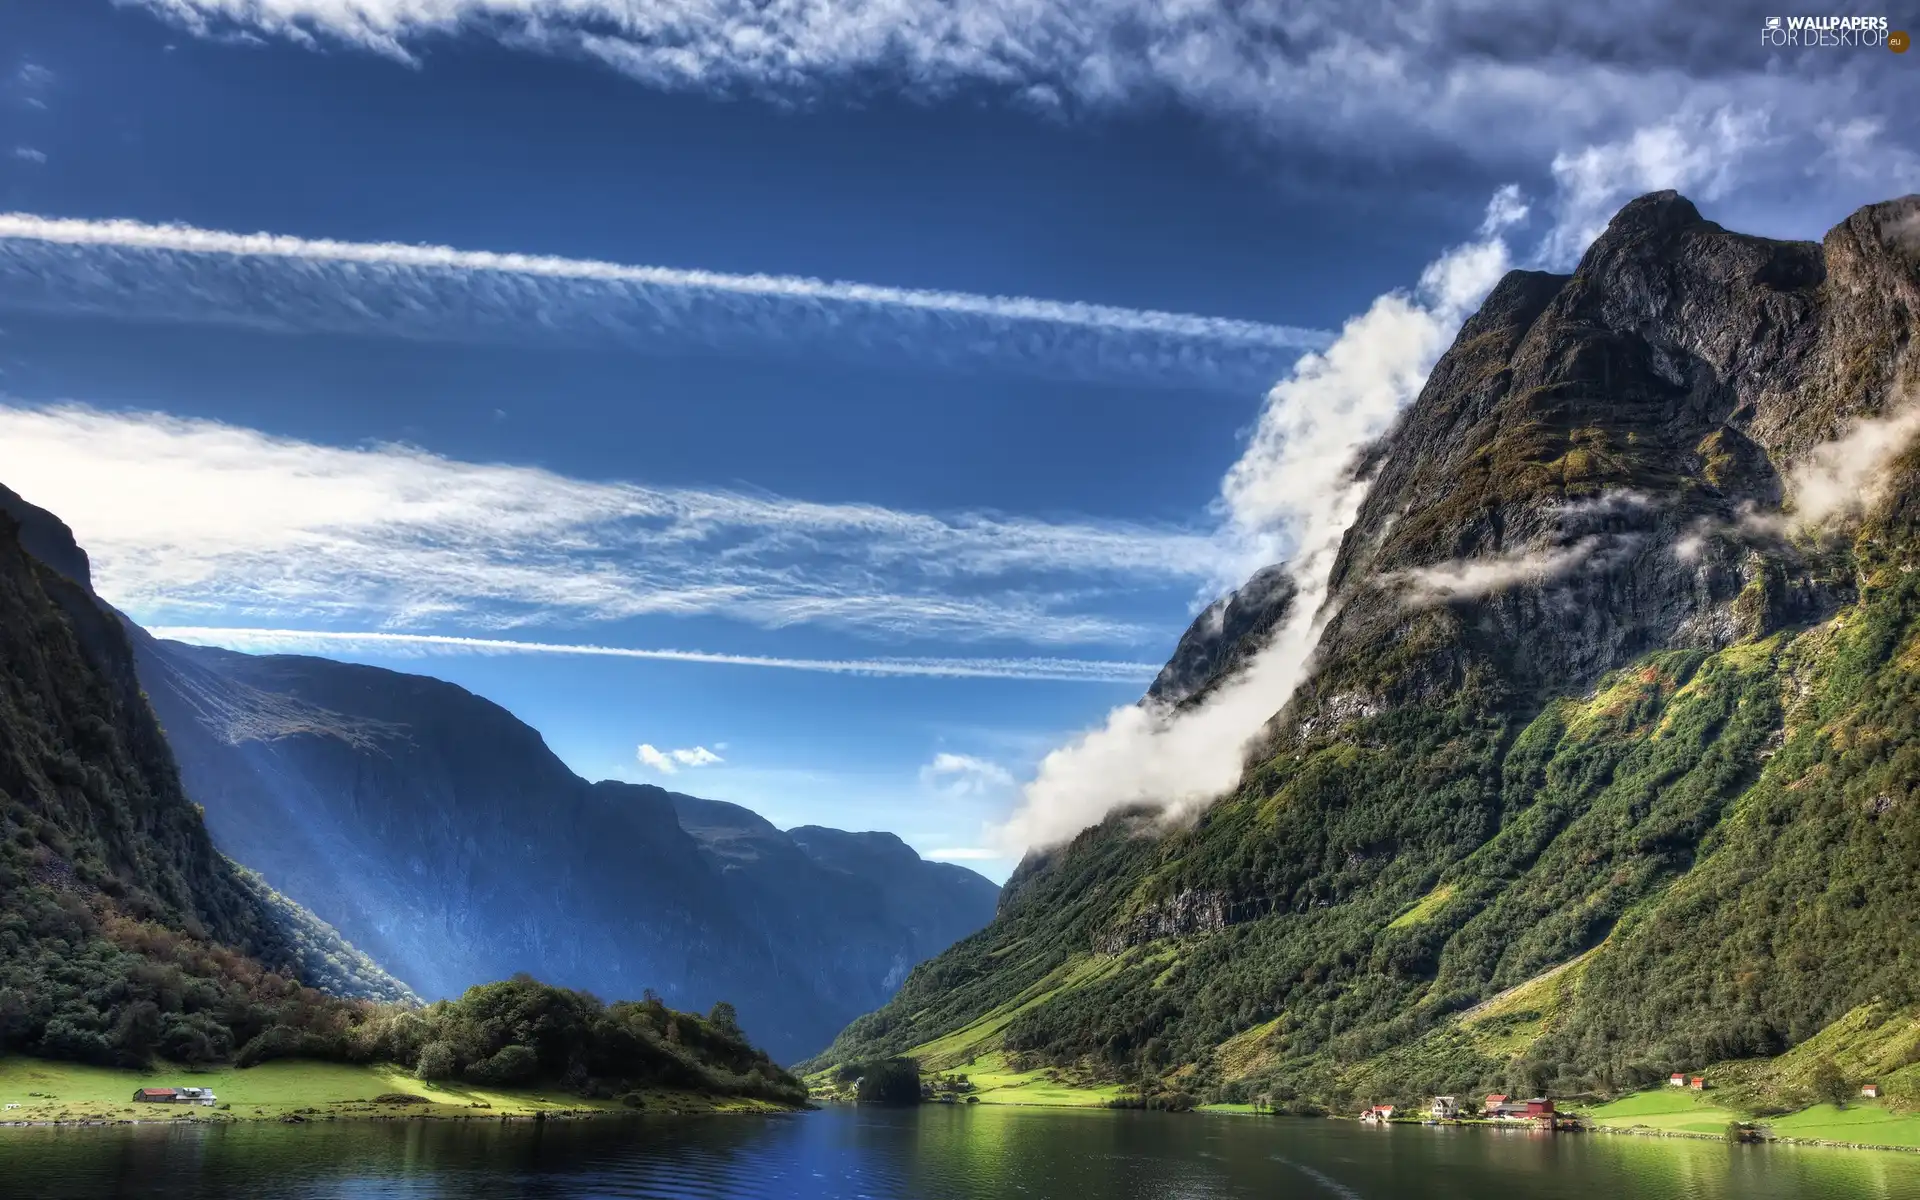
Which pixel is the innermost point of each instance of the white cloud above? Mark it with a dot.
(1291, 495)
(668, 762)
(1500, 82)
(1844, 477)
(278, 282)
(29, 154)
(963, 854)
(1701, 154)
(188, 519)
(1462, 579)
(965, 775)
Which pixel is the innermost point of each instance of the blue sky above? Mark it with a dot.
(999, 472)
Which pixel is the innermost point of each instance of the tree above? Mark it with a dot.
(1829, 1084)
(436, 1061)
(890, 1081)
(723, 1018)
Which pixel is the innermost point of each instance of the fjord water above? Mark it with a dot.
(932, 1153)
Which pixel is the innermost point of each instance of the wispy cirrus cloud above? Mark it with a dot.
(388, 644)
(178, 273)
(187, 519)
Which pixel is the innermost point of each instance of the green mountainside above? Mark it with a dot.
(1644, 802)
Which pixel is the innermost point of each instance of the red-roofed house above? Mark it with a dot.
(155, 1095)
(1870, 1090)
(1699, 1083)
(1676, 1080)
(1492, 1106)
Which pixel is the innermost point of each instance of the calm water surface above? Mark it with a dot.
(934, 1153)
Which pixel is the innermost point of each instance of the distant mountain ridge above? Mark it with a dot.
(443, 837)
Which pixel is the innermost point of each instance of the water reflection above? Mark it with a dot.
(935, 1153)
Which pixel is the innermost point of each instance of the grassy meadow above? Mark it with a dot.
(50, 1091)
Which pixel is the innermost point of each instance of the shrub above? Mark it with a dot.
(437, 1061)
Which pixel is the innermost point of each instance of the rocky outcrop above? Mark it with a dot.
(1182, 915)
(1224, 636)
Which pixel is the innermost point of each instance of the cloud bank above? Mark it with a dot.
(177, 273)
(1503, 80)
(296, 641)
(187, 519)
(1291, 495)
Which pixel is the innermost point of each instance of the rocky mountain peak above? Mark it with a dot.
(1567, 491)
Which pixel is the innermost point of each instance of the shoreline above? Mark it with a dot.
(43, 1092)
(726, 1108)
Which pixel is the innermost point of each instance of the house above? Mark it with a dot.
(1870, 1090)
(1444, 1108)
(1676, 1080)
(1698, 1083)
(186, 1095)
(1493, 1105)
(1378, 1114)
(1537, 1108)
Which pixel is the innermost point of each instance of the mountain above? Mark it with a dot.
(124, 931)
(857, 910)
(1605, 766)
(440, 834)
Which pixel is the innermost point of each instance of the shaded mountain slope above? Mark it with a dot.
(1603, 771)
(443, 836)
(855, 910)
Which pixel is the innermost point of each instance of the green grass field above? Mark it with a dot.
(1867, 1121)
(59, 1091)
(1669, 1109)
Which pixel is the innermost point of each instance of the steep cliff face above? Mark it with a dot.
(1580, 672)
(443, 836)
(1582, 428)
(122, 930)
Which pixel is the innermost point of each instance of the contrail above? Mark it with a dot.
(276, 281)
(1066, 670)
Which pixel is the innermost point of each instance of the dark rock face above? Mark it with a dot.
(444, 837)
(1222, 638)
(47, 538)
(1608, 429)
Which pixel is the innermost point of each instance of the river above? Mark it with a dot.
(931, 1153)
